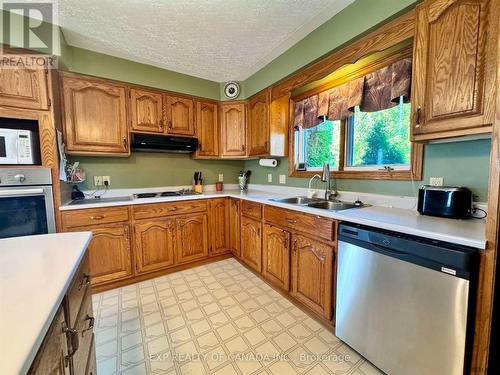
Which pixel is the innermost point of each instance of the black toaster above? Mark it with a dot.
(445, 201)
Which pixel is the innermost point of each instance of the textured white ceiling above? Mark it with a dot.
(219, 40)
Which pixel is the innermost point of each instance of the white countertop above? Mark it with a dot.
(462, 232)
(35, 272)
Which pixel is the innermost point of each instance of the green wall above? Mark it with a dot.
(143, 169)
(460, 163)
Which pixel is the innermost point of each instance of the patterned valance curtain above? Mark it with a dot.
(374, 92)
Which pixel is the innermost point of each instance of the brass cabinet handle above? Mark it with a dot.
(418, 115)
(125, 143)
(97, 217)
(242, 147)
(91, 320)
(170, 124)
(85, 281)
(161, 124)
(74, 340)
(291, 221)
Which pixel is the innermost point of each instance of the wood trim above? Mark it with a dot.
(388, 35)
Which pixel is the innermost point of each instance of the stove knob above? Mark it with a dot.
(20, 177)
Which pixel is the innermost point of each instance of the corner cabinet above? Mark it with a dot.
(95, 116)
(258, 124)
(207, 129)
(180, 115)
(233, 129)
(218, 210)
(191, 237)
(146, 111)
(453, 68)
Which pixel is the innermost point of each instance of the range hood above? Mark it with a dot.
(163, 143)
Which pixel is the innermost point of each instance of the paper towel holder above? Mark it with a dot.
(271, 163)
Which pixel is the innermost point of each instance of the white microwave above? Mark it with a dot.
(17, 146)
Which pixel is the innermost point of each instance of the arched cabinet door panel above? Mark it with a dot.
(276, 256)
(180, 115)
(191, 237)
(251, 245)
(233, 129)
(146, 111)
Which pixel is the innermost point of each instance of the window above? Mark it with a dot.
(319, 145)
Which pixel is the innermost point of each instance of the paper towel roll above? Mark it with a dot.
(268, 163)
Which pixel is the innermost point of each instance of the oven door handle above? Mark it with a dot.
(21, 192)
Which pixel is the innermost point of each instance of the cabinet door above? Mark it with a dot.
(207, 129)
(109, 253)
(219, 225)
(312, 265)
(251, 245)
(233, 134)
(276, 256)
(234, 226)
(192, 238)
(146, 110)
(450, 78)
(258, 124)
(95, 117)
(50, 358)
(180, 115)
(23, 87)
(154, 244)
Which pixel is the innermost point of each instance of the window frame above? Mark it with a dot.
(415, 170)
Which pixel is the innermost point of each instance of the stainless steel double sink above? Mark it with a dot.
(317, 203)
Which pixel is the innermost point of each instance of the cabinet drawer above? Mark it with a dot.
(77, 290)
(94, 216)
(313, 224)
(251, 209)
(172, 208)
(84, 329)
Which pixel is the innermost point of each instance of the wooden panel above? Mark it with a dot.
(191, 238)
(233, 133)
(51, 355)
(84, 328)
(207, 129)
(251, 209)
(145, 211)
(234, 229)
(109, 253)
(91, 361)
(180, 115)
(95, 116)
(146, 111)
(218, 215)
(251, 244)
(154, 244)
(312, 274)
(93, 216)
(23, 87)
(316, 225)
(77, 291)
(258, 124)
(278, 126)
(276, 256)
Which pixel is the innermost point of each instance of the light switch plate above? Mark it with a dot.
(269, 177)
(436, 181)
(282, 179)
(98, 181)
(221, 177)
(106, 178)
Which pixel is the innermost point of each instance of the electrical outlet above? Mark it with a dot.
(282, 179)
(436, 181)
(98, 181)
(106, 180)
(221, 177)
(269, 177)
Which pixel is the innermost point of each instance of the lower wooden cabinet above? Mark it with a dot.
(154, 244)
(234, 226)
(191, 237)
(251, 243)
(311, 271)
(219, 225)
(276, 256)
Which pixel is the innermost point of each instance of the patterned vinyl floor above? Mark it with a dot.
(214, 319)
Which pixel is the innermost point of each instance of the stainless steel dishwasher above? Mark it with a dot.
(403, 301)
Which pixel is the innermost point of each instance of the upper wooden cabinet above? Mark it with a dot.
(233, 129)
(24, 87)
(95, 116)
(219, 225)
(146, 111)
(453, 70)
(207, 129)
(258, 124)
(180, 115)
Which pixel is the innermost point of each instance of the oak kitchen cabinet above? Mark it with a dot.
(233, 129)
(94, 116)
(154, 244)
(207, 129)
(146, 111)
(191, 237)
(453, 69)
(234, 226)
(180, 115)
(24, 87)
(218, 214)
(276, 256)
(251, 242)
(258, 124)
